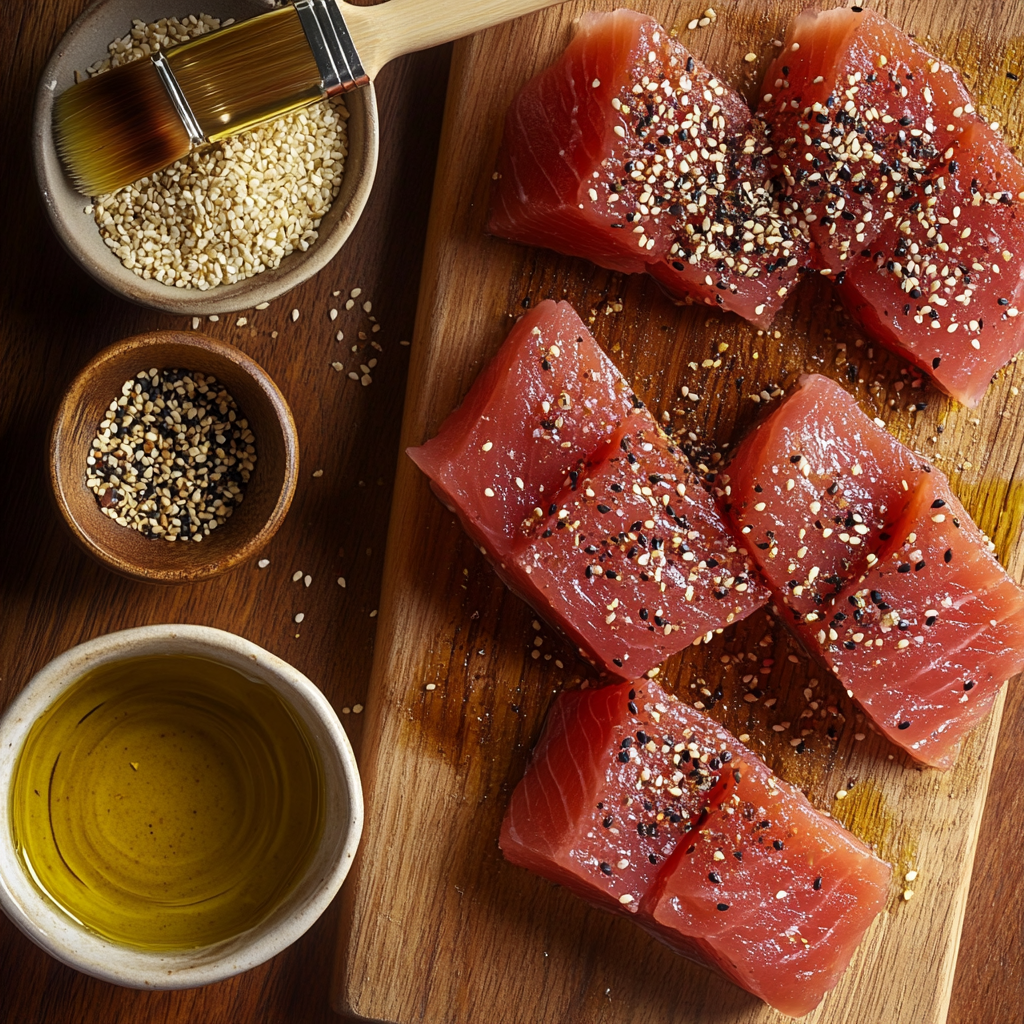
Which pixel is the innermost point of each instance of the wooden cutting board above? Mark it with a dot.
(435, 925)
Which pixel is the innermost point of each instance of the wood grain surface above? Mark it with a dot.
(53, 319)
(435, 925)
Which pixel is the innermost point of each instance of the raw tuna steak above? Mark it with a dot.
(877, 567)
(925, 638)
(912, 199)
(585, 817)
(634, 561)
(629, 152)
(768, 890)
(640, 804)
(810, 489)
(560, 474)
(549, 398)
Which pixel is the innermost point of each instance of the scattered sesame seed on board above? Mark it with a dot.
(296, 576)
(341, 582)
(317, 473)
(263, 563)
(300, 616)
(307, 580)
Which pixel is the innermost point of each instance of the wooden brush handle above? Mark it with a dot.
(385, 31)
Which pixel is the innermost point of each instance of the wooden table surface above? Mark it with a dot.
(53, 319)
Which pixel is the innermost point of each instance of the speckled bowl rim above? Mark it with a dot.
(74, 945)
(77, 230)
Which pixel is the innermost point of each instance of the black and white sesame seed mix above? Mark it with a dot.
(172, 456)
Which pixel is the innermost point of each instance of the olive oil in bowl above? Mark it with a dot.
(167, 802)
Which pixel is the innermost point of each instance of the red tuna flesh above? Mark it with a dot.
(912, 199)
(634, 561)
(627, 151)
(935, 612)
(548, 411)
(922, 631)
(767, 889)
(629, 796)
(579, 817)
(549, 398)
(811, 488)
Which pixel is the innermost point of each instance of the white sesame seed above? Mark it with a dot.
(341, 582)
(296, 576)
(295, 315)
(625, 898)
(300, 616)
(263, 563)
(307, 580)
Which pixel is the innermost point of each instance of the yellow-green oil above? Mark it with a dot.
(167, 802)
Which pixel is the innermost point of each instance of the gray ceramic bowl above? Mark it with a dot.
(83, 44)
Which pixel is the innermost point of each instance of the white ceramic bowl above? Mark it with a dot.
(84, 43)
(76, 946)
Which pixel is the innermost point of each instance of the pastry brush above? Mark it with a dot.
(126, 123)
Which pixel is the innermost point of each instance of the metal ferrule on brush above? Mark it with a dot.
(332, 46)
(177, 97)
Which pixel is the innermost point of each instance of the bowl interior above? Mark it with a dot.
(266, 496)
(84, 950)
(86, 42)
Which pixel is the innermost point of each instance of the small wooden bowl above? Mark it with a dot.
(268, 494)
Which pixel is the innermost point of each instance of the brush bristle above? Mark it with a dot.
(118, 127)
(248, 73)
